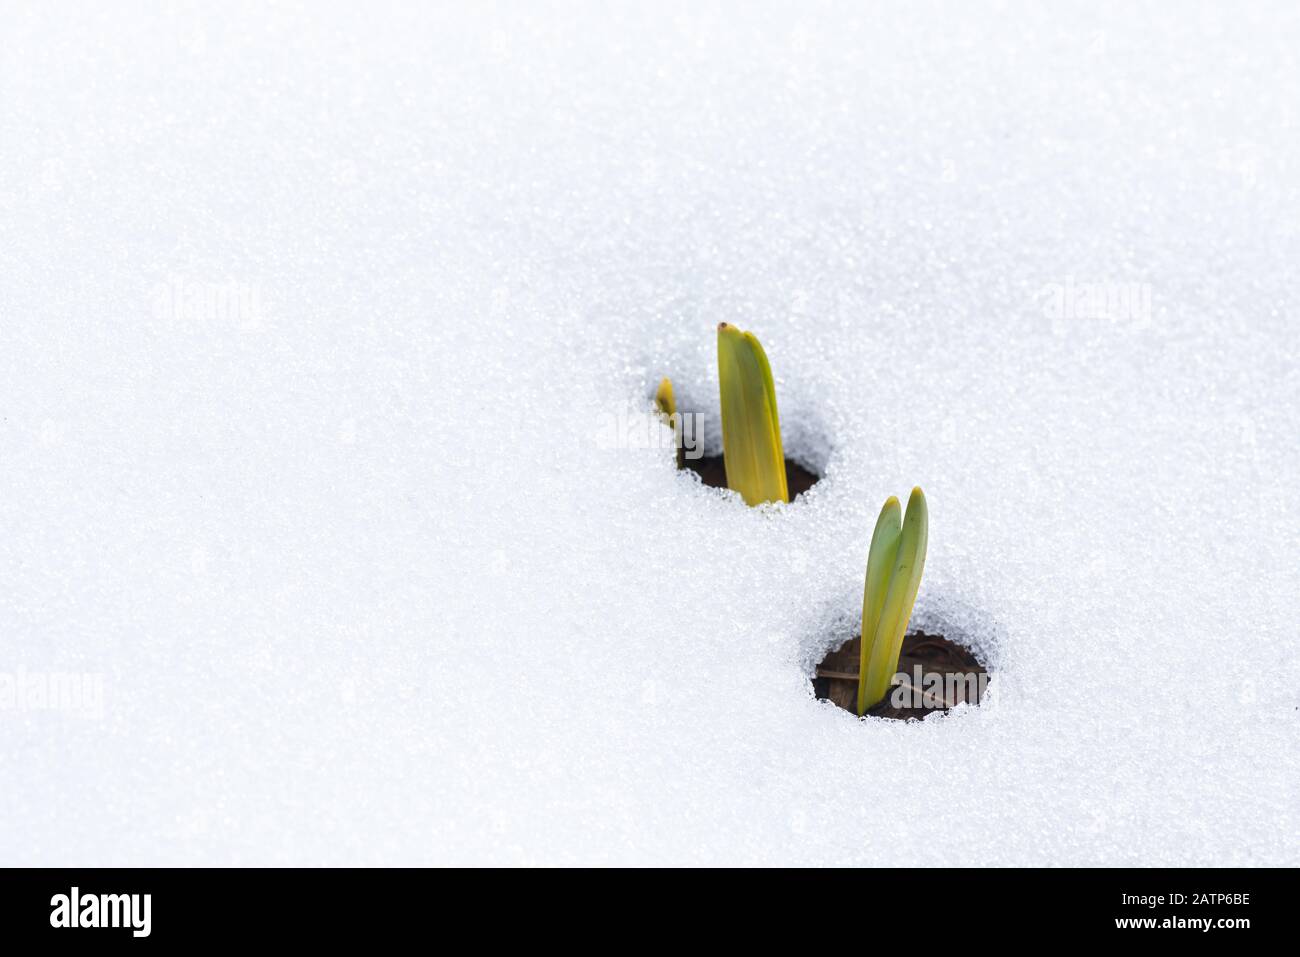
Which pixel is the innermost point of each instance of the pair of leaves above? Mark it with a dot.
(894, 566)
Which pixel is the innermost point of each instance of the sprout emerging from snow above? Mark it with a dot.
(894, 566)
(751, 431)
(664, 400)
(667, 407)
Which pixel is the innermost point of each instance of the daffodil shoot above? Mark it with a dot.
(894, 565)
(664, 400)
(666, 405)
(751, 429)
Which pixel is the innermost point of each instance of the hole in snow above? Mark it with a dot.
(804, 439)
(934, 674)
(713, 472)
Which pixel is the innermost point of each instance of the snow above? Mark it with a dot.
(311, 317)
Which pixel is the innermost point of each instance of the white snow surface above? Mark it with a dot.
(362, 583)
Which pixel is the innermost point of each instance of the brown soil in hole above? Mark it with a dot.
(837, 676)
(713, 472)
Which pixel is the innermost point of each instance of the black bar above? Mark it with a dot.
(922, 911)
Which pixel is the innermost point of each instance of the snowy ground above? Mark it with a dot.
(310, 319)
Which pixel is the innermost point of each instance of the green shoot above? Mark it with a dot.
(894, 566)
(751, 431)
(667, 406)
(664, 400)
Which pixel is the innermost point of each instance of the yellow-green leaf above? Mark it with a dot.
(751, 428)
(667, 406)
(880, 564)
(664, 400)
